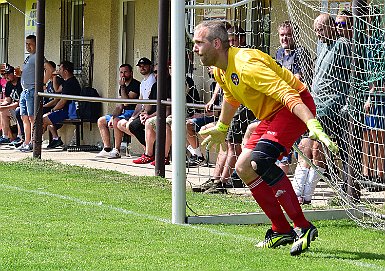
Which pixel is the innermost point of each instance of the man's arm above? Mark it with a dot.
(59, 105)
(303, 112)
(9, 105)
(227, 112)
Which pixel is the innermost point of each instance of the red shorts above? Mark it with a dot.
(284, 127)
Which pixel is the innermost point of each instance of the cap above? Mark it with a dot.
(144, 61)
(9, 69)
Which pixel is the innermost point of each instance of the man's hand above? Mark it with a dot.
(215, 136)
(316, 132)
(111, 122)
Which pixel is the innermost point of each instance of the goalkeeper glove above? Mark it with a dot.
(216, 136)
(316, 132)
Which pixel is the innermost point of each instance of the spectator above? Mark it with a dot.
(137, 129)
(28, 93)
(60, 111)
(147, 119)
(197, 121)
(253, 78)
(129, 88)
(53, 84)
(330, 86)
(373, 156)
(13, 91)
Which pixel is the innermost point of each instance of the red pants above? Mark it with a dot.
(284, 127)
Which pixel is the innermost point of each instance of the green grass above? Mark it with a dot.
(58, 217)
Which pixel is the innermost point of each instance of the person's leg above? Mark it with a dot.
(302, 169)
(262, 193)
(365, 153)
(137, 129)
(167, 146)
(150, 134)
(27, 129)
(20, 125)
(192, 137)
(381, 154)
(30, 102)
(104, 131)
(5, 123)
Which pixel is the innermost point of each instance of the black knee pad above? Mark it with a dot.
(263, 159)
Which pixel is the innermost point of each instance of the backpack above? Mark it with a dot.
(90, 111)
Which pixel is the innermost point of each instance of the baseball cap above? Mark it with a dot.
(9, 69)
(144, 61)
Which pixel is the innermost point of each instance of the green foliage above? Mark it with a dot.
(59, 217)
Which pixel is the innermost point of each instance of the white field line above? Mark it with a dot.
(125, 211)
(168, 221)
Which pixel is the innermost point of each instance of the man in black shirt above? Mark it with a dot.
(60, 111)
(129, 88)
(13, 90)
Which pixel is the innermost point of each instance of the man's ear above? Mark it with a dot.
(217, 43)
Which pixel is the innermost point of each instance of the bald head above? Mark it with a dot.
(324, 26)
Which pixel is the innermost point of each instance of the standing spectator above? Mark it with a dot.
(59, 112)
(330, 87)
(13, 91)
(129, 88)
(136, 129)
(285, 108)
(27, 96)
(373, 157)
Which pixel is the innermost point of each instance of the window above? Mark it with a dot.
(72, 29)
(4, 32)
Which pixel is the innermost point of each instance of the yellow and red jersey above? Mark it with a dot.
(255, 80)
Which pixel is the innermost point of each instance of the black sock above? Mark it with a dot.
(108, 149)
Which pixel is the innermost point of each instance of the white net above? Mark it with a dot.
(344, 70)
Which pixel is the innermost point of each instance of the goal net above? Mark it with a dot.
(353, 106)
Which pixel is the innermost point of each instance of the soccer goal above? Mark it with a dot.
(353, 182)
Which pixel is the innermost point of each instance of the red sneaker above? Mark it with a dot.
(166, 161)
(144, 159)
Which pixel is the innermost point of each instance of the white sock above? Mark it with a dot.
(191, 150)
(311, 183)
(4, 136)
(55, 138)
(198, 152)
(299, 180)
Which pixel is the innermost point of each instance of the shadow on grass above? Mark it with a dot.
(346, 255)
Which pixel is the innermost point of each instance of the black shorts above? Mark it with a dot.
(238, 126)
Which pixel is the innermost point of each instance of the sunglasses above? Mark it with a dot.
(342, 24)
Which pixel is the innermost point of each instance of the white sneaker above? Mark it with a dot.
(26, 148)
(114, 154)
(103, 154)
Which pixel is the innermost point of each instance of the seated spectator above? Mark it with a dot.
(53, 84)
(195, 122)
(145, 68)
(129, 88)
(137, 126)
(60, 111)
(13, 90)
(192, 96)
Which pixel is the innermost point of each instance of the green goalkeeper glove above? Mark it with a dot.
(316, 132)
(216, 136)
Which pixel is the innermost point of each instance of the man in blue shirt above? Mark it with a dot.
(27, 96)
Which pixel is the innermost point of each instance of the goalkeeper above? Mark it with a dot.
(285, 108)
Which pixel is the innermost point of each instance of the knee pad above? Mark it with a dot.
(263, 159)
